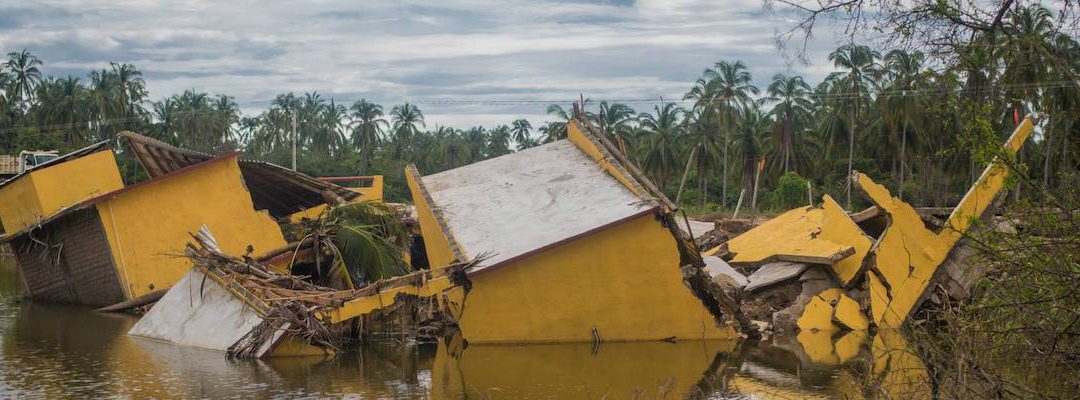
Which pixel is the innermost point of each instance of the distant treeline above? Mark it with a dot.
(921, 128)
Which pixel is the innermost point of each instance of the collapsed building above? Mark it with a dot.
(567, 231)
(579, 248)
(839, 276)
(567, 242)
(81, 237)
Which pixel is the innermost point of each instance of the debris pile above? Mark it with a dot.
(834, 277)
(269, 313)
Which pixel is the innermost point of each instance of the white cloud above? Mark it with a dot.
(395, 51)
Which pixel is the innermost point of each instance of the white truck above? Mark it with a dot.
(26, 160)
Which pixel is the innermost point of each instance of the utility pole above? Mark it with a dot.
(294, 139)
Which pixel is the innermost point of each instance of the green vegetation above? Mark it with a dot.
(907, 122)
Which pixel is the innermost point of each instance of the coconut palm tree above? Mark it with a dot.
(24, 74)
(749, 142)
(859, 66)
(407, 120)
(726, 89)
(901, 105)
(792, 111)
(131, 92)
(498, 141)
(226, 116)
(615, 120)
(520, 129)
(661, 131)
(555, 130)
(368, 127)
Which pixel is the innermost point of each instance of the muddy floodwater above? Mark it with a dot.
(50, 351)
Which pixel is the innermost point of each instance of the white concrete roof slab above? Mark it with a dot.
(696, 227)
(716, 266)
(510, 205)
(199, 312)
(773, 273)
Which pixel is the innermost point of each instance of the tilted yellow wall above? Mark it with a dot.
(436, 243)
(19, 206)
(45, 191)
(148, 226)
(624, 281)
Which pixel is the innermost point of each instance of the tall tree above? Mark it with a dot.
(520, 129)
(661, 131)
(793, 108)
(368, 127)
(726, 89)
(24, 74)
(860, 67)
(407, 120)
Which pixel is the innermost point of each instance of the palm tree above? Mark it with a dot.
(476, 142)
(498, 141)
(791, 94)
(661, 132)
(725, 89)
(552, 131)
(555, 130)
(131, 91)
(615, 120)
(330, 133)
(407, 120)
(901, 106)
(859, 65)
(22, 69)
(750, 134)
(367, 131)
(226, 115)
(520, 129)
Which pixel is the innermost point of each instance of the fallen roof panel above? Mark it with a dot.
(512, 205)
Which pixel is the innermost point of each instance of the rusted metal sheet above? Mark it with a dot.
(69, 261)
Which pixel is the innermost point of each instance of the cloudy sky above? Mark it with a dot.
(463, 62)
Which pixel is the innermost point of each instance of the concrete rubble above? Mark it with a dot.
(825, 275)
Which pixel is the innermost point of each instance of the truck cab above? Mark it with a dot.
(30, 159)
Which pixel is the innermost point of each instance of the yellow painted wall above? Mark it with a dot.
(148, 225)
(45, 191)
(439, 250)
(624, 281)
(373, 192)
(19, 205)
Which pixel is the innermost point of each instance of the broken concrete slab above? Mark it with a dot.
(809, 235)
(718, 269)
(773, 273)
(848, 314)
(198, 312)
